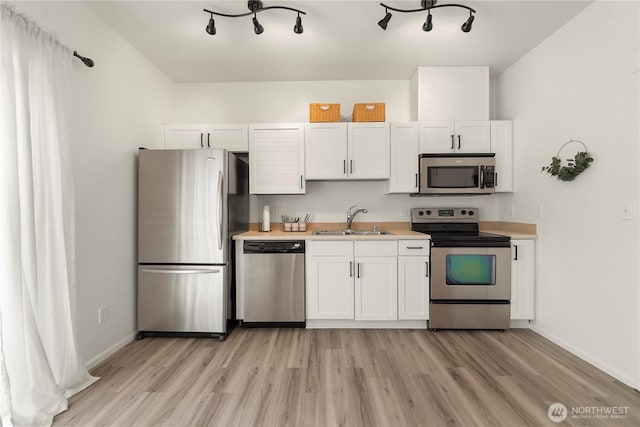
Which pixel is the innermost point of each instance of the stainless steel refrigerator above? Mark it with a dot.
(190, 204)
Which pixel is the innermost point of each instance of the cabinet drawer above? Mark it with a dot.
(414, 247)
(330, 248)
(369, 248)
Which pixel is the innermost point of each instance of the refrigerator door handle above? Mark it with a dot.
(181, 271)
(220, 178)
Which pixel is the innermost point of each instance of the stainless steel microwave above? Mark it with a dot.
(457, 174)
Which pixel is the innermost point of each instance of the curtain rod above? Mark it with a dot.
(86, 61)
(28, 22)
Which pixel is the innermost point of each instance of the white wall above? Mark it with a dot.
(117, 106)
(264, 102)
(582, 83)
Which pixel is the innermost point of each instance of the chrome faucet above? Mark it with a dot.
(351, 216)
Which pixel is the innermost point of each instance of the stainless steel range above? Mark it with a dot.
(470, 270)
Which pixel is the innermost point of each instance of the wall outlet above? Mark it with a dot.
(406, 212)
(539, 211)
(512, 210)
(627, 212)
(102, 314)
(277, 214)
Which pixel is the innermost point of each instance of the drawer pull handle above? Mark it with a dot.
(415, 247)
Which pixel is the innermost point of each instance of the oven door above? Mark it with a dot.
(470, 274)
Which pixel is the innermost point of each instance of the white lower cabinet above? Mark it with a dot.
(329, 280)
(522, 279)
(368, 282)
(376, 287)
(413, 279)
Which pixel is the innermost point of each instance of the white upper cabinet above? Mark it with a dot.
(455, 137)
(405, 140)
(326, 150)
(502, 145)
(368, 150)
(347, 151)
(231, 137)
(277, 159)
(450, 93)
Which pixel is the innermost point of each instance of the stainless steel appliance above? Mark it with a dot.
(470, 284)
(271, 273)
(461, 174)
(190, 203)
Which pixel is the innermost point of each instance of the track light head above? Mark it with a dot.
(385, 21)
(466, 27)
(257, 28)
(298, 27)
(428, 24)
(211, 26)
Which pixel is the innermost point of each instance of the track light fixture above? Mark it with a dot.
(255, 6)
(385, 21)
(427, 5)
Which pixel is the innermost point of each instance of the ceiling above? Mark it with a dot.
(341, 39)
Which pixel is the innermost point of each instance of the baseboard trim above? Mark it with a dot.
(94, 361)
(604, 367)
(369, 324)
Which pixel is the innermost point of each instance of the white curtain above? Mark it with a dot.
(39, 363)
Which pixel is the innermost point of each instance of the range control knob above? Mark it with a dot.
(428, 212)
(471, 213)
(463, 212)
(420, 213)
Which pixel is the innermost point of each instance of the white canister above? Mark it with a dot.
(266, 218)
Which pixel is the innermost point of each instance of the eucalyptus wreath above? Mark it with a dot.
(573, 168)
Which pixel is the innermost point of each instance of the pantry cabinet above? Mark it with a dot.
(455, 137)
(522, 279)
(232, 137)
(277, 159)
(337, 151)
(405, 141)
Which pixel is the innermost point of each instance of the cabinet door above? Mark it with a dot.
(185, 136)
(326, 150)
(437, 137)
(502, 145)
(229, 137)
(376, 288)
(473, 137)
(368, 150)
(329, 287)
(522, 279)
(413, 287)
(277, 159)
(405, 141)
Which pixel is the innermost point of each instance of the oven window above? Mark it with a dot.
(452, 176)
(471, 270)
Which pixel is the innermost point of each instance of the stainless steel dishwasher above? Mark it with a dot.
(272, 275)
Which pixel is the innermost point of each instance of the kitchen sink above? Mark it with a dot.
(350, 233)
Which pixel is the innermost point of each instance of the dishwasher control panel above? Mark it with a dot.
(273, 246)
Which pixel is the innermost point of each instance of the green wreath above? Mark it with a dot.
(574, 166)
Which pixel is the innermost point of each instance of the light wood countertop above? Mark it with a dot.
(398, 230)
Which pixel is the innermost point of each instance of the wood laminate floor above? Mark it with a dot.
(298, 377)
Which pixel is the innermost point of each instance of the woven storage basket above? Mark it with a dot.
(372, 112)
(319, 113)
